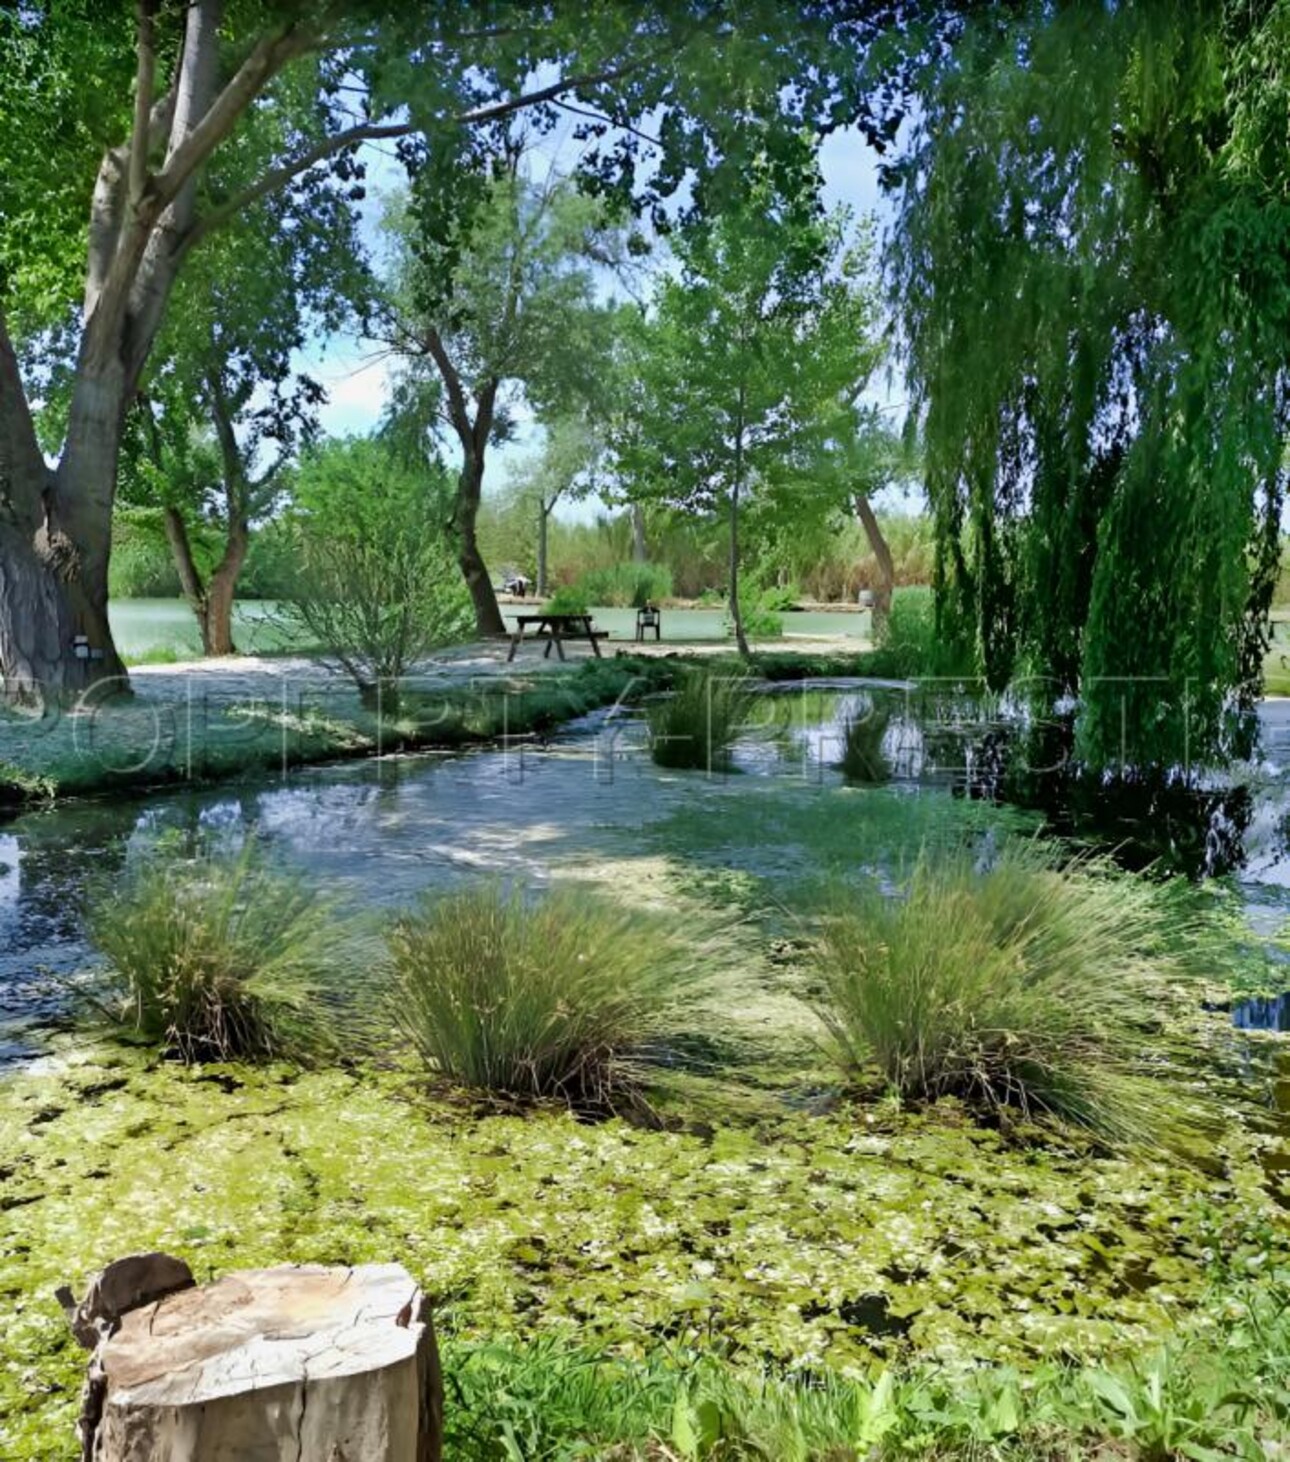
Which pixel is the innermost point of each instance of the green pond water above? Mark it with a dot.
(144, 627)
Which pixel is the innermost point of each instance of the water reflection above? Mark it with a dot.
(377, 834)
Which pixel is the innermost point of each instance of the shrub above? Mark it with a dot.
(568, 599)
(559, 996)
(213, 957)
(627, 585)
(864, 758)
(760, 621)
(911, 636)
(1027, 986)
(377, 587)
(696, 726)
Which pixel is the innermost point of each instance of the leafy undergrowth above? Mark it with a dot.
(1223, 1396)
(800, 1243)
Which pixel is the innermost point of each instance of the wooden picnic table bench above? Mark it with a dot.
(555, 629)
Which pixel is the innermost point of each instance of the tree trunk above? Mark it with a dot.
(488, 617)
(639, 550)
(736, 618)
(886, 564)
(217, 632)
(544, 516)
(276, 1364)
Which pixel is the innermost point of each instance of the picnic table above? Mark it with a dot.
(555, 629)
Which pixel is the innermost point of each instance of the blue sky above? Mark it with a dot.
(357, 376)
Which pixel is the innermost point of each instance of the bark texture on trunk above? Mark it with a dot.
(488, 616)
(640, 553)
(544, 523)
(882, 595)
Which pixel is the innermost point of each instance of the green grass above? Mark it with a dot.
(145, 743)
(558, 995)
(212, 958)
(695, 727)
(1225, 1396)
(1031, 986)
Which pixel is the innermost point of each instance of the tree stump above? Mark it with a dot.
(295, 1364)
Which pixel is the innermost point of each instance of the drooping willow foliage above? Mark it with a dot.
(1092, 268)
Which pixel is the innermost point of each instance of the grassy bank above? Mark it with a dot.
(154, 741)
(157, 740)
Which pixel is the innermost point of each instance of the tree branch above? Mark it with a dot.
(279, 177)
(375, 132)
(143, 85)
(269, 55)
(459, 411)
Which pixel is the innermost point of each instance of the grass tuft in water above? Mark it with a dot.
(695, 727)
(559, 995)
(1031, 986)
(864, 757)
(213, 957)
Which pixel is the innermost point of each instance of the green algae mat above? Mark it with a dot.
(789, 1239)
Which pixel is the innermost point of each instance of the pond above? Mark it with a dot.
(161, 628)
(590, 802)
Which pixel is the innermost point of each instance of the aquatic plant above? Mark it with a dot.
(864, 758)
(1028, 985)
(214, 957)
(695, 727)
(556, 995)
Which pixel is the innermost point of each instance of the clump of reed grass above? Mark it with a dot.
(864, 757)
(1032, 986)
(555, 995)
(695, 727)
(214, 957)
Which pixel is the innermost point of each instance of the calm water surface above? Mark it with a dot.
(379, 834)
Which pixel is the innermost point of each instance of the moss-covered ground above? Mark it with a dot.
(757, 1217)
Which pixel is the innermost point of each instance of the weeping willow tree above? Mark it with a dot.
(1092, 265)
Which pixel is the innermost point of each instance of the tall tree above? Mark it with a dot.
(495, 298)
(131, 116)
(727, 363)
(222, 372)
(1092, 273)
(564, 468)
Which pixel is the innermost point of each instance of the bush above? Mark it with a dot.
(918, 648)
(558, 996)
(212, 957)
(760, 621)
(864, 758)
(627, 585)
(377, 587)
(567, 599)
(696, 726)
(1028, 986)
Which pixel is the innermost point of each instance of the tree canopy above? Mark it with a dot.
(1091, 273)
